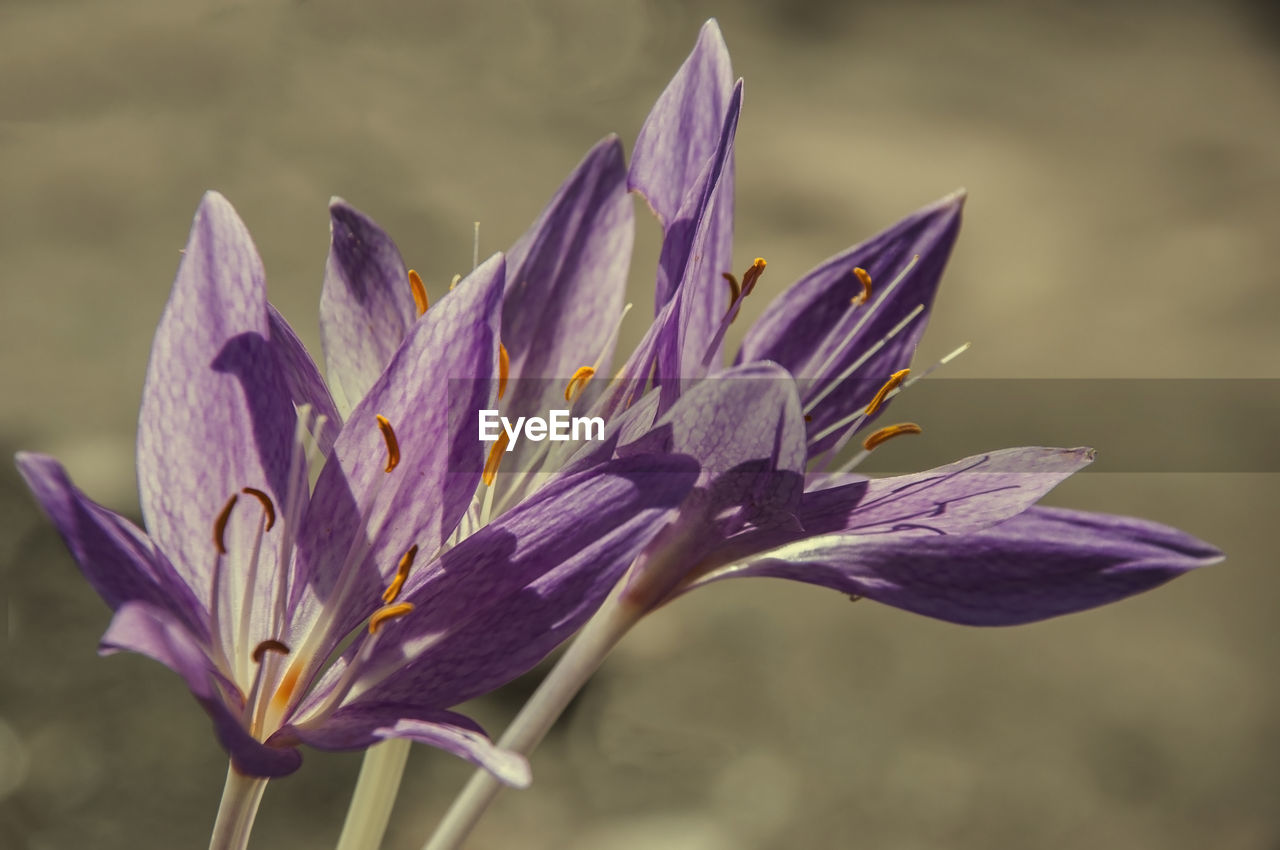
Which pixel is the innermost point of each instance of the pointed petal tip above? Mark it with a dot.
(337, 201)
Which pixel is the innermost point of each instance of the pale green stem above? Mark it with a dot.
(575, 667)
(374, 796)
(240, 798)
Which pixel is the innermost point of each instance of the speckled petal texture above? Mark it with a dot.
(366, 306)
(217, 414)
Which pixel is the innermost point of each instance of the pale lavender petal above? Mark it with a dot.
(366, 306)
(145, 629)
(430, 393)
(117, 558)
(960, 498)
(1042, 563)
(819, 335)
(683, 129)
(565, 283)
(217, 414)
(303, 380)
(499, 601)
(366, 724)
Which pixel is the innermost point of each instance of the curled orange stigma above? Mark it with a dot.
(393, 445)
(402, 572)
(895, 381)
(865, 279)
(889, 432)
(267, 507)
(220, 525)
(269, 645)
(419, 292)
(388, 612)
(578, 382)
(495, 458)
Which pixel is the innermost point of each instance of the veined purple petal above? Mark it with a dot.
(816, 331)
(366, 306)
(303, 380)
(565, 282)
(1042, 563)
(691, 257)
(493, 606)
(960, 498)
(117, 558)
(443, 373)
(363, 725)
(683, 129)
(217, 414)
(746, 430)
(154, 632)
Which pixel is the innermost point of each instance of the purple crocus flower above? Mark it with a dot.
(247, 580)
(845, 333)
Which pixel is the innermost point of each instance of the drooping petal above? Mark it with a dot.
(363, 725)
(217, 414)
(499, 601)
(366, 306)
(966, 496)
(565, 282)
(117, 557)
(683, 129)
(829, 342)
(430, 394)
(1042, 563)
(145, 629)
(303, 379)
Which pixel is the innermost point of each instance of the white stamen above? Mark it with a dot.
(857, 364)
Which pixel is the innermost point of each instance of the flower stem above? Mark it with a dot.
(240, 798)
(374, 796)
(575, 667)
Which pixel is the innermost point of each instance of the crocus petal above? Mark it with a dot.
(960, 498)
(217, 414)
(366, 306)
(565, 282)
(691, 261)
(816, 331)
(363, 725)
(683, 129)
(442, 374)
(145, 629)
(117, 557)
(303, 380)
(1042, 563)
(494, 605)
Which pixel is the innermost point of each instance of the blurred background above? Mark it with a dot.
(1123, 175)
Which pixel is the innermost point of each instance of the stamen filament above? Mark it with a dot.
(866, 355)
(420, 299)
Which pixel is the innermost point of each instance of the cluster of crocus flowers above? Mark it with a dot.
(337, 561)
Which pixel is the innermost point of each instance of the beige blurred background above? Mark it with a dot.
(1123, 171)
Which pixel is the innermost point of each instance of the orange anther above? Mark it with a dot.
(402, 572)
(388, 612)
(895, 381)
(889, 432)
(578, 382)
(220, 525)
(865, 279)
(267, 507)
(269, 645)
(495, 458)
(393, 445)
(419, 292)
(504, 369)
